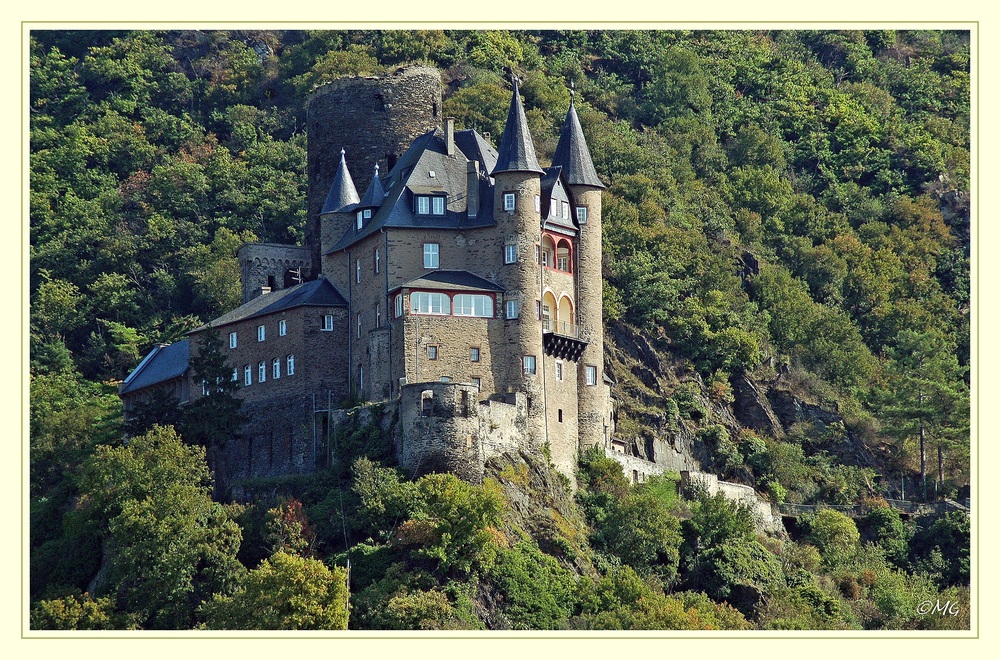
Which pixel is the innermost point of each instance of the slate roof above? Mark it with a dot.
(374, 195)
(475, 147)
(165, 362)
(454, 280)
(516, 152)
(552, 186)
(411, 174)
(573, 155)
(342, 191)
(316, 293)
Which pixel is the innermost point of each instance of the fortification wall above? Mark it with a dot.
(267, 265)
(766, 515)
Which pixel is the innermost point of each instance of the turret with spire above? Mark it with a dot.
(337, 213)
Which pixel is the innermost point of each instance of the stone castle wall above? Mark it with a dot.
(267, 265)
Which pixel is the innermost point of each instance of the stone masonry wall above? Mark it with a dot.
(265, 264)
(766, 516)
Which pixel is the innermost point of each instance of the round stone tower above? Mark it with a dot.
(374, 119)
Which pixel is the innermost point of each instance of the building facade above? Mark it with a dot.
(464, 271)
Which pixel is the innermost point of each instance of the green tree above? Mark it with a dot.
(834, 534)
(286, 592)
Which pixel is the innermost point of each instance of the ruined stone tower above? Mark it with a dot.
(374, 120)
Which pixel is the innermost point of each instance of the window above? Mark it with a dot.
(559, 371)
(560, 415)
(276, 368)
(378, 261)
(378, 315)
(327, 322)
(424, 302)
(359, 326)
(477, 381)
(247, 375)
(236, 374)
(290, 365)
(565, 211)
(431, 255)
(368, 213)
(529, 365)
(232, 340)
(360, 221)
(537, 252)
(261, 372)
(545, 258)
(432, 352)
(437, 205)
(538, 309)
(467, 304)
(512, 309)
(423, 205)
(204, 387)
(538, 203)
(474, 354)
(399, 305)
(261, 333)
(510, 254)
(591, 373)
(361, 378)
(282, 328)
(509, 201)
(357, 271)
(554, 208)
(581, 215)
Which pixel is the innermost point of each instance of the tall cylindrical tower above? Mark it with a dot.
(373, 119)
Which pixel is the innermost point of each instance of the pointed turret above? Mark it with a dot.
(572, 153)
(516, 152)
(342, 191)
(374, 194)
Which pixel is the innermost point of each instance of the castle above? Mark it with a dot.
(462, 286)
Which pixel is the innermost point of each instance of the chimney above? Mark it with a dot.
(472, 194)
(449, 135)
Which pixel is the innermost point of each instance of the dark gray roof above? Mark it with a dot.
(516, 152)
(165, 362)
(460, 280)
(410, 175)
(573, 155)
(475, 147)
(342, 191)
(316, 293)
(374, 194)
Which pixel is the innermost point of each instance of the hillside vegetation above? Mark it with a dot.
(786, 210)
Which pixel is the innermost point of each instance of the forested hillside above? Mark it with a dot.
(782, 207)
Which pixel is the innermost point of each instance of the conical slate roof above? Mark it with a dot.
(342, 191)
(375, 194)
(516, 152)
(573, 155)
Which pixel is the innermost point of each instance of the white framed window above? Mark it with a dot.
(378, 260)
(509, 201)
(538, 203)
(472, 304)
(327, 322)
(591, 374)
(247, 375)
(513, 309)
(236, 374)
(565, 211)
(581, 215)
(359, 326)
(537, 253)
(282, 328)
(510, 254)
(529, 365)
(432, 254)
(378, 315)
(437, 205)
(423, 205)
(432, 352)
(360, 222)
(357, 271)
(425, 302)
(553, 208)
(290, 365)
(545, 257)
(559, 370)
(261, 371)
(474, 354)
(538, 310)
(399, 305)
(276, 368)
(232, 340)
(368, 213)
(261, 333)
(204, 387)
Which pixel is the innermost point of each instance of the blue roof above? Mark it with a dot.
(165, 362)
(315, 293)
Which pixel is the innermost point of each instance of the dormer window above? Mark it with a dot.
(430, 204)
(565, 211)
(554, 209)
(361, 215)
(367, 213)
